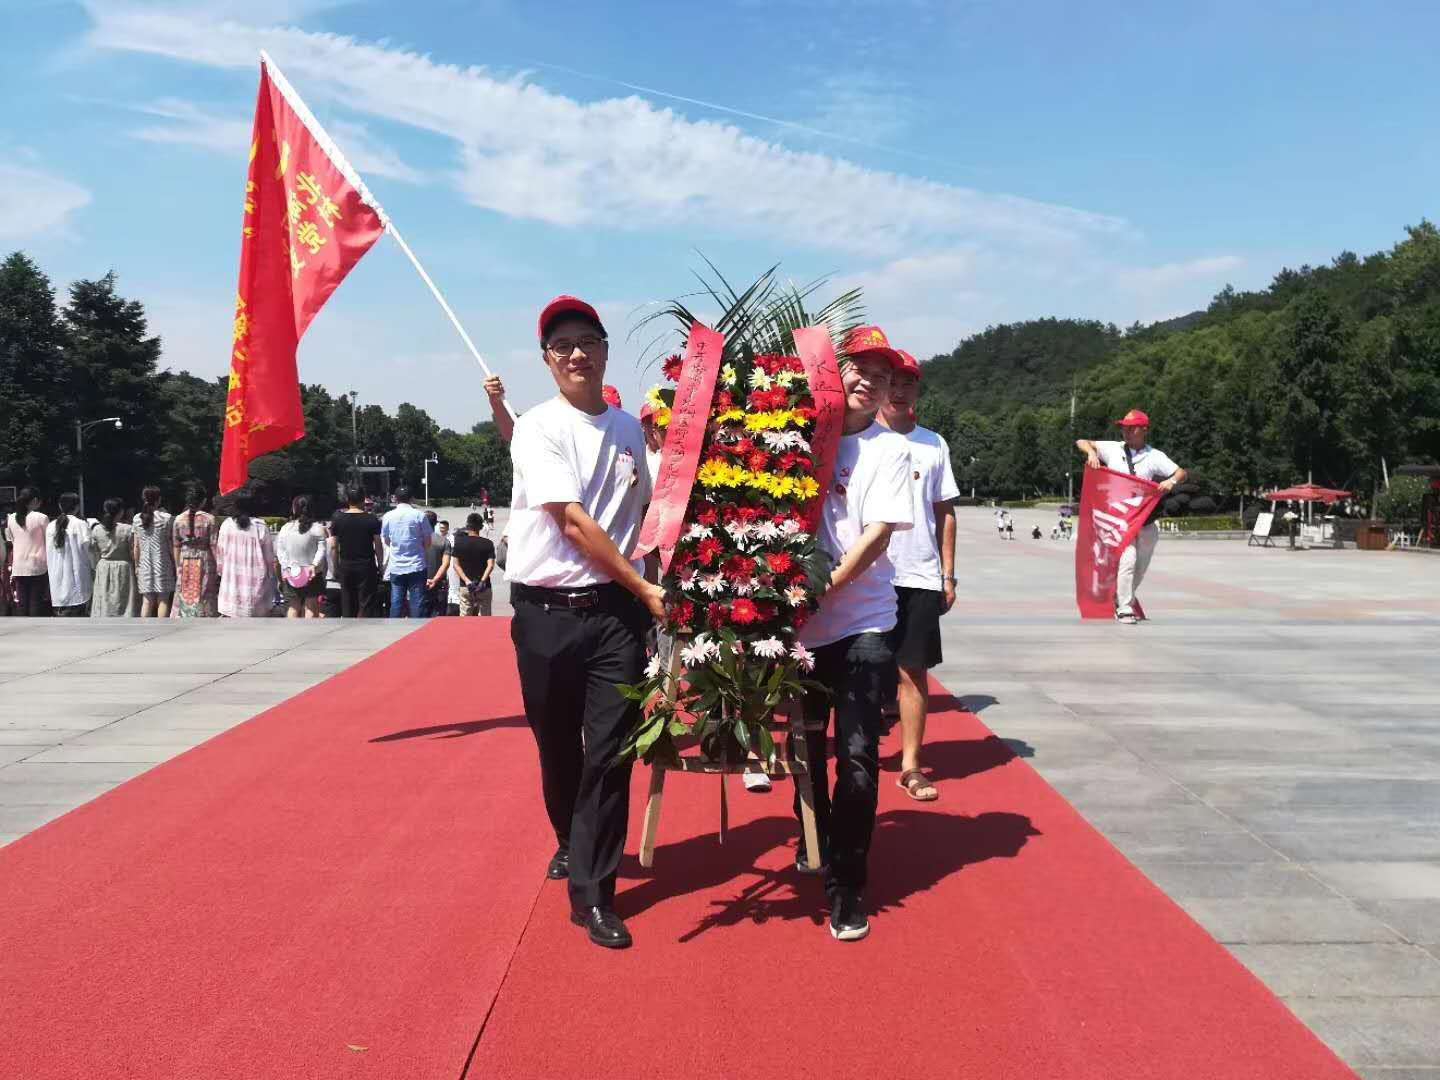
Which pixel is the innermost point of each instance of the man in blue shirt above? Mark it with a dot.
(407, 532)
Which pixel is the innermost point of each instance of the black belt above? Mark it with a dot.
(585, 597)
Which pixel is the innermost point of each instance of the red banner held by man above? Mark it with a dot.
(684, 439)
(308, 219)
(1113, 509)
(822, 375)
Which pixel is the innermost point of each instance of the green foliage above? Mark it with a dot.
(1401, 501)
(95, 358)
(1327, 372)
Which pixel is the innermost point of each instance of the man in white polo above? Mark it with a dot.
(582, 607)
(924, 560)
(1133, 454)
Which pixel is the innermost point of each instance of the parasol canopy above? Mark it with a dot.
(1308, 493)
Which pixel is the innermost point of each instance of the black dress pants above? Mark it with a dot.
(860, 671)
(570, 661)
(357, 579)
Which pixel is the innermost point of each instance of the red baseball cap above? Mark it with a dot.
(647, 410)
(611, 395)
(870, 339)
(1134, 418)
(908, 363)
(567, 305)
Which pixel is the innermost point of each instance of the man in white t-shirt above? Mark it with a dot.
(924, 560)
(582, 608)
(654, 440)
(868, 500)
(1133, 455)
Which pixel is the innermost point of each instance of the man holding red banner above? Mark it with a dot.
(868, 500)
(1134, 455)
(582, 607)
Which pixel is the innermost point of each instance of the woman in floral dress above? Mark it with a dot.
(154, 555)
(244, 555)
(196, 579)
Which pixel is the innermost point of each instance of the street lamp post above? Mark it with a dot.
(80, 429)
(433, 459)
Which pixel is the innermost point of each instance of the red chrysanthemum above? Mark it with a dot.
(716, 613)
(781, 562)
(767, 610)
(744, 612)
(739, 568)
(757, 461)
(766, 400)
(682, 614)
(671, 367)
(799, 577)
(724, 401)
(709, 550)
(707, 514)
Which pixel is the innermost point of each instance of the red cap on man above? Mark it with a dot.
(908, 363)
(611, 395)
(870, 339)
(647, 410)
(568, 305)
(1134, 418)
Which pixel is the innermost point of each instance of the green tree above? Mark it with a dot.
(36, 430)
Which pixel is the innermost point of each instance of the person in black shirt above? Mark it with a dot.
(356, 553)
(474, 558)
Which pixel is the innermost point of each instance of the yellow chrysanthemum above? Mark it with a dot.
(807, 487)
(662, 417)
(729, 415)
(768, 421)
(653, 397)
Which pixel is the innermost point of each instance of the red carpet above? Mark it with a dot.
(356, 869)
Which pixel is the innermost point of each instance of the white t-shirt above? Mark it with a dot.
(1150, 464)
(871, 484)
(915, 552)
(652, 462)
(562, 454)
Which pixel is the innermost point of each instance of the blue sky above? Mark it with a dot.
(967, 162)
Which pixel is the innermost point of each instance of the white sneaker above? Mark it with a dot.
(1128, 618)
(756, 781)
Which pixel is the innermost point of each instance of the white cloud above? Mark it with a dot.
(188, 124)
(1147, 278)
(623, 162)
(33, 201)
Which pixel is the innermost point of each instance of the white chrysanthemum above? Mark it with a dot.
(744, 588)
(698, 532)
(785, 379)
(713, 584)
(790, 526)
(739, 531)
(768, 647)
(652, 669)
(767, 531)
(699, 651)
(798, 540)
(759, 380)
(688, 579)
(803, 656)
(795, 596)
(728, 375)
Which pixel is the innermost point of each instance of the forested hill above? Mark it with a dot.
(1330, 370)
(1027, 363)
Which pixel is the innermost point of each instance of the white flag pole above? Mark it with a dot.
(348, 171)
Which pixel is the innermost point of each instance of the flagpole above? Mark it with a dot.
(342, 163)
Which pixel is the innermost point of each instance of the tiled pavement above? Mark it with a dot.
(1267, 749)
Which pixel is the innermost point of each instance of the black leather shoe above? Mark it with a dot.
(848, 921)
(603, 926)
(559, 867)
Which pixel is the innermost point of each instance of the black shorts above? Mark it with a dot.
(916, 637)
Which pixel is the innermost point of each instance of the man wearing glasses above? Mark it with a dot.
(582, 608)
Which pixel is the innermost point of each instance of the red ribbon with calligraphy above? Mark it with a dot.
(684, 439)
(1114, 507)
(822, 373)
(306, 224)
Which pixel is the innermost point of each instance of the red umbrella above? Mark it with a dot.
(1308, 493)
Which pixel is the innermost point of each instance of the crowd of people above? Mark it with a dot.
(152, 563)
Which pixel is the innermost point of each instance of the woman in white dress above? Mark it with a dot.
(154, 555)
(70, 559)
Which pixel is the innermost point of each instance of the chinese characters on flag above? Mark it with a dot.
(306, 223)
(1113, 509)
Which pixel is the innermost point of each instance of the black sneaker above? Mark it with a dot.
(559, 868)
(848, 921)
(804, 867)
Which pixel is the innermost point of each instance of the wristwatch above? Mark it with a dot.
(951, 579)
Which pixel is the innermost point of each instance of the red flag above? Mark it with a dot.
(1113, 509)
(822, 375)
(308, 219)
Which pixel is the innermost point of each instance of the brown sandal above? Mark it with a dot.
(918, 786)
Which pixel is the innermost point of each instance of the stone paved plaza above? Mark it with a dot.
(1266, 749)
